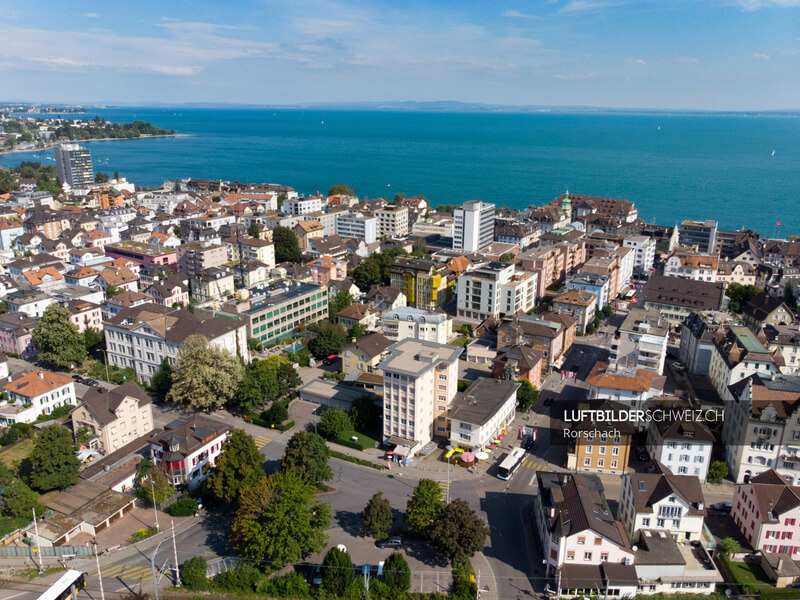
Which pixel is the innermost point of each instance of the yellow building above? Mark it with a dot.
(363, 356)
(426, 283)
(601, 446)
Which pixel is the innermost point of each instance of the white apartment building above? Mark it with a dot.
(326, 219)
(697, 267)
(641, 341)
(662, 502)
(35, 393)
(683, 447)
(419, 383)
(188, 448)
(473, 226)
(785, 339)
(357, 226)
(392, 221)
(644, 248)
(493, 289)
(425, 325)
(302, 205)
(482, 412)
(433, 226)
(140, 337)
(737, 354)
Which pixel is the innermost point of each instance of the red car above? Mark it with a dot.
(330, 359)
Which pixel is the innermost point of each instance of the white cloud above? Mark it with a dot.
(761, 55)
(575, 6)
(688, 60)
(515, 14)
(750, 5)
(636, 61)
(91, 15)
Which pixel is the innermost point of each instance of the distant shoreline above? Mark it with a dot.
(52, 145)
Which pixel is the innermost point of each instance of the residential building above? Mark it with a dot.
(143, 254)
(702, 234)
(473, 226)
(426, 284)
(330, 245)
(601, 446)
(115, 417)
(522, 234)
(74, 165)
(644, 249)
(697, 267)
(663, 502)
(580, 206)
(246, 249)
(677, 298)
(212, 284)
(583, 547)
(737, 354)
(142, 336)
(641, 341)
(196, 257)
(786, 340)
(425, 325)
(308, 230)
(169, 292)
(551, 335)
(384, 298)
(697, 343)
(627, 385)
(419, 383)
(579, 304)
(188, 448)
(357, 313)
(764, 308)
(9, 232)
(392, 221)
(518, 362)
(35, 393)
(302, 205)
(494, 289)
(113, 306)
(15, 334)
(594, 283)
(30, 302)
(617, 266)
(362, 356)
(553, 263)
(729, 271)
(482, 412)
(327, 268)
(85, 315)
(682, 446)
(767, 512)
(356, 225)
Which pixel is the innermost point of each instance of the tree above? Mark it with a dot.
(367, 274)
(356, 331)
(458, 532)
(789, 295)
(377, 516)
(53, 460)
(238, 467)
(506, 256)
(287, 246)
(607, 311)
(396, 572)
(154, 485)
(3, 307)
(329, 340)
(83, 436)
(420, 247)
(252, 230)
(729, 546)
(337, 572)
(266, 381)
(335, 424)
(340, 189)
(193, 573)
(740, 295)
(278, 520)
(424, 506)
(17, 499)
(101, 177)
(57, 338)
(527, 395)
(307, 456)
(338, 301)
(92, 337)
(161, 381)
(112, 291)
(204, 376)
(7, 182)
(717, 471)
(276, 414)
(364, 412)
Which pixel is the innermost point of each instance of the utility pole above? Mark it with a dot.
(99, 574)
(153, 566)
(478, 584)
(175, 556)
(38, 543)
(155, 510)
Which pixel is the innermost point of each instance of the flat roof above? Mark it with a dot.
(332, 390)
(481, 400)
(279, 295)
(415, 357)
(141, 248)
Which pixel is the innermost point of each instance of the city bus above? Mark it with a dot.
(509, 463)
(67, 586)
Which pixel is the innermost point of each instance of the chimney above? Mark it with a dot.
(780, 565)
(41, 374)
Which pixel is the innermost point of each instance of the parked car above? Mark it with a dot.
(642, 454)
(78, 379)
(330, 359)
(390, 542)
(316, 576)
(678, 365)
(722, 506)
(91, 382)
(548, 402)
(528, 443)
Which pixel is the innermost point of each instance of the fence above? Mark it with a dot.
(47, 551)
(220, 565)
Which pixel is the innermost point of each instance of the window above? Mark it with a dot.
(587, 462)
(587, 556)
(601, 462)
(598, 541)
(615, 451)
(604, 557)
(570, 554)
(602, 450)
(581, 541)
(646, 522)
(588, 449)
(614, 464)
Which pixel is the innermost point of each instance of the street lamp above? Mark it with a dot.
(153, 566)
(155, 510)
(105, 353)
(448, 447)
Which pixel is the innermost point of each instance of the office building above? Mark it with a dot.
(495, 289)
(357, 226)
(473, 226)
(392, 221)
(275, 311)
(701, 234)
(74, 165)
(407, 322)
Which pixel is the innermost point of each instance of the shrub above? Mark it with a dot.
(193, 573)
(463, 586)
(9, 435)
(335, 424)
(292, 586)
(184, 507)
(142, 534)
(276, 414)
(244, 579)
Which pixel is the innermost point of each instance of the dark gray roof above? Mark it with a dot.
(103, 403)
(698, 295)
(188, 434)
(481, 400)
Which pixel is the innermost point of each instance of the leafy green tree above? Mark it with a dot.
(252, 230)
(340, 189)
(607, 311)
(396, 572)
(527, 395)
(338, 301)
(717, 471)
(101, 177)
(287, 246)
(161, 381)
(204, 376)
(3, 305)
(377, 516)
(7, 182)
(53, 459)
(112, 291)
(335, 424)
(729, 546)
(424, 506)
(57, 338)
(364, 412)
(193, 573)
(740, 295)
(367, 274)
(276, 414)
(154, 485)
(337, 572)
(16, 498)
(266, 381)
(92, 337)
(420, 247)
(83, 436)
(356, 331)
(330, 339)
(789, 296)
(506, 257)
(238, 467)
(278, 520)
(458, 532)
(307, 456)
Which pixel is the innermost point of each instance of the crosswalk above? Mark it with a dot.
(261, 441)
(443, 486)
(126, 573)
(533, 465)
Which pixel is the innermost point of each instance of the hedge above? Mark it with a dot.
(358, 461)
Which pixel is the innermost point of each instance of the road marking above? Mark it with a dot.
(261, 441)
(443, 485)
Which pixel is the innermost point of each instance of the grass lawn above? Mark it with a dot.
(13, 454)
(753, 580)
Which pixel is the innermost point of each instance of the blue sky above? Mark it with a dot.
(704, 54)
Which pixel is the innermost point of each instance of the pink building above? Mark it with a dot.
(169, 293)
(144, 254)
(327, 268)
(15, 333)
(85, 315)
(767, 511)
